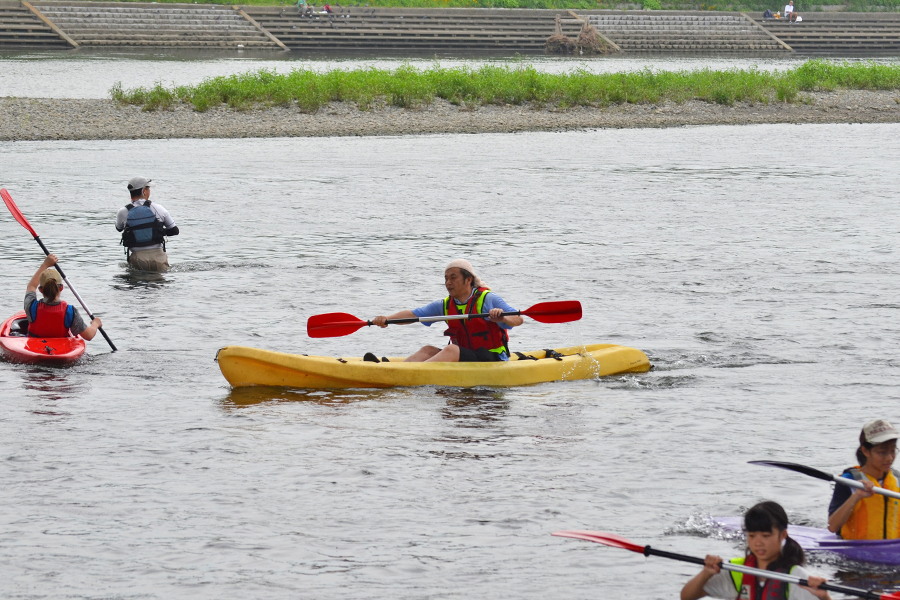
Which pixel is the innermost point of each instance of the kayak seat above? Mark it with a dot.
(18, 328)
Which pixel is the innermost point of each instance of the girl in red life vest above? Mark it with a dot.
(51, 317)
(768, 547)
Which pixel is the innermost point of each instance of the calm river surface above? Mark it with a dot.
(757, 266)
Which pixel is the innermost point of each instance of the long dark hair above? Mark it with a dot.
(860, 457)
(764, 517)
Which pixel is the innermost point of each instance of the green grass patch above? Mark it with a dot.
(409, 87)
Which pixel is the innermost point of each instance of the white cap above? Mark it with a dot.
(138, 183)
(461, 263)
(879, 431)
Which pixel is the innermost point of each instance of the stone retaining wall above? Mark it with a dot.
(71, 24)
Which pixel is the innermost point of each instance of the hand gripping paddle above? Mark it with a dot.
(338, 324)
(823, 475)
(18, 216)
(617, 541)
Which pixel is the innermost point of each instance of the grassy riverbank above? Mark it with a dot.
(408, 87)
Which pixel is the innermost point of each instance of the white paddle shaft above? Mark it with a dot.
(859, 485)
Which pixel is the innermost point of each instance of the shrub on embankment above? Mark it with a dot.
(409, 87)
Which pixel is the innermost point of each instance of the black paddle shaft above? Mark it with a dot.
(63, 275)
(869, 595)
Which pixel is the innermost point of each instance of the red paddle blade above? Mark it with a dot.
(601, 537)
(892, 596)
(555, 312)
(333, 325)
(16, 213)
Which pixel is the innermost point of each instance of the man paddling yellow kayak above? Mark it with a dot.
(471, 340)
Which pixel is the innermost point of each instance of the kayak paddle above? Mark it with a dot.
(823, 475)
(338, 324)
(18, 216)
(617, 541)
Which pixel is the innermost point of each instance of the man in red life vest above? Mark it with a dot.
(51, 317)
(472, 340)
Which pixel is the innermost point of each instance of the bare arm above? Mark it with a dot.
(837, 519)
(693, 589)
(91, 330)
(381, 320)
(36, 278)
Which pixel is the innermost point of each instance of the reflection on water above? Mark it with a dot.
(53, 383)
(134, 279)
(473, 407)
(884, 578)
(253, 395)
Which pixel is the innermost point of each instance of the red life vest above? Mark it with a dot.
(50, 320)
(747, 585)
(475, 333)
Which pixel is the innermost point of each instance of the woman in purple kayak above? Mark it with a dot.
(860, 514)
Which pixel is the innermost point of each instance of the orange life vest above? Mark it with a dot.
(876, 517)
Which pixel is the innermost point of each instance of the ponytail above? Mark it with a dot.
(767, 516)
(50, 290)
(791, 555)
(860, 457)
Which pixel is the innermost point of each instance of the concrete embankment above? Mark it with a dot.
(39, 119)
(73, 24)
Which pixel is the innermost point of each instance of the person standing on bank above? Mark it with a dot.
(144, 227)
(862, 514)
(473, 340)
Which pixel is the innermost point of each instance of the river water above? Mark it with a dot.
(756, 266)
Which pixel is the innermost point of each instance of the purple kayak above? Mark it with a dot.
(885, 552)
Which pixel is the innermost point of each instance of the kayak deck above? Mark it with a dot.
(885, 552)
(17, 346)
(243, 366)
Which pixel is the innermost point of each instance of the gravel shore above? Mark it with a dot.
(47, 119)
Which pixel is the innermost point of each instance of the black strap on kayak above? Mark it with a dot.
(552, 354)
(523, 356)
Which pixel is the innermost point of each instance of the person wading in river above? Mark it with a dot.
(144, 226)
(473, 340)
(862, 514)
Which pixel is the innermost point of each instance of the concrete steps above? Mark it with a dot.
(154, 25)
(21, 28)
(411, 29)
(841, 33)
(688, 33)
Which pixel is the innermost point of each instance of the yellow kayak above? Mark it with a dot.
(244, 366)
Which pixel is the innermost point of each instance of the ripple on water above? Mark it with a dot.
(170, 477)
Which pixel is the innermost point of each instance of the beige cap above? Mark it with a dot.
(461, 263)
(880, 431)
(51, 274)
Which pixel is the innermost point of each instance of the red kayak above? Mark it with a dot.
(16, 346)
